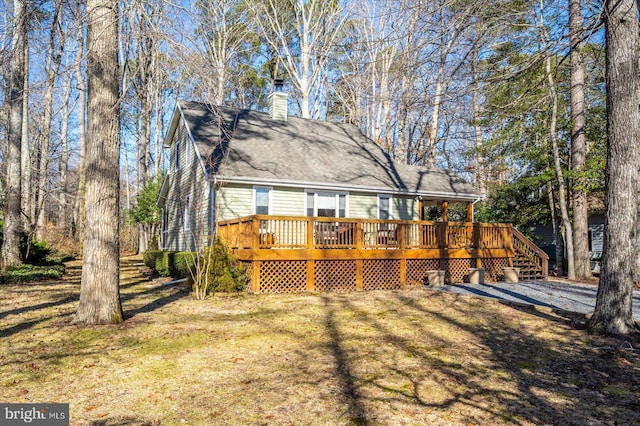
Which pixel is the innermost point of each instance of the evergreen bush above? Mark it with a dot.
(217, 270)
(164, 263)
(150, 257)
(183, 264)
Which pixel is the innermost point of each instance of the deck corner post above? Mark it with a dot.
(255, 225)
(255, 276)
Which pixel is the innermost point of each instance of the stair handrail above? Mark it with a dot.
(529, 249)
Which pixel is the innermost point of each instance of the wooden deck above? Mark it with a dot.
(295, 254)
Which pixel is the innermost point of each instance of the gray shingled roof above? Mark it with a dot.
(307, 152)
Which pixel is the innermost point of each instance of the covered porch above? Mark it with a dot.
(297, 254)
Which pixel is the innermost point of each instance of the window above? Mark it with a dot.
(176, 156)
(212, 210)
(165, 228)
(326, 204)
(311, 211)
(384, 207)
(262, 200)
(187, 214)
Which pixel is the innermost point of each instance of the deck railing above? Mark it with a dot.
(531, 252)
(310, 253)
(285, 232)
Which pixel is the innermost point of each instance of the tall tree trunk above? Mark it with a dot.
(562, 190)
(479, 169)
(613, 312)
(100, 291)
(557, 230)
(12, 219)
(54, 58)
(63, 167)
(25, 154)
(578, 145)
(82, 128)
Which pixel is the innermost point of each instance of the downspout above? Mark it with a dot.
(473, 212)
(212, 208)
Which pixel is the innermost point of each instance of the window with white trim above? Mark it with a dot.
(384, 207)
(262, 200)
(165, 227)
(326, 204)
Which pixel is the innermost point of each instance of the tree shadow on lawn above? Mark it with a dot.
(176, 293)
(520, 376)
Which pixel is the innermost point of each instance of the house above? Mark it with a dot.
(547, 241)
(227, 163)
(306, 195)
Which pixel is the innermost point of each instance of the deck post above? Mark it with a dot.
(401, 231)
(403, 273)
(255, 276)
(445, 211)
(255, 231)
(359, 236)
(311, 275)
(359, 274)
(469, 211)
(310, 236)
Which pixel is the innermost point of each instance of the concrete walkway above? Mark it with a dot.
(579, 298)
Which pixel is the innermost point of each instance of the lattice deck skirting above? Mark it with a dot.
(296, 276)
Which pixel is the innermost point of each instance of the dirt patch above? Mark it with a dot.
(384, 357)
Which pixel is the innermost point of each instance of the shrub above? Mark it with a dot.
(26, 273)
(183, 263)
(37, 251)
(164, 263)
(150, 257)
(217, 270)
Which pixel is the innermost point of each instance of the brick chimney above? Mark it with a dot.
(278, 101)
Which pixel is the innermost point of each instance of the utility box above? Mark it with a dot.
(436, 278)
(476, 275)
(511, 275)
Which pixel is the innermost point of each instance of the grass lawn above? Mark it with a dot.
(411, 357)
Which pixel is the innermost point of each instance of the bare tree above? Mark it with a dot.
(99, 291)
(81, 86)
(613, 311)
(52, 68)
(303, 34)
(578, 144)
(553, 132)
(12, 220)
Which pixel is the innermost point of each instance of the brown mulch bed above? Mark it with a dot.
(383, 357)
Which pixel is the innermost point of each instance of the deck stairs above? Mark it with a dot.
(532, 261)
